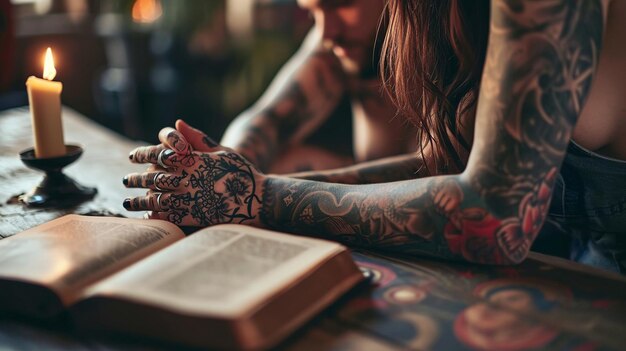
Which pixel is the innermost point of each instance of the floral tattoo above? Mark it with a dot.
(205, 203)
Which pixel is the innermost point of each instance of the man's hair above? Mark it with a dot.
(432, 61)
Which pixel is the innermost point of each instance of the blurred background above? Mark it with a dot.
(138, 65)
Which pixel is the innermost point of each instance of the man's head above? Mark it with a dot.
(349, 28)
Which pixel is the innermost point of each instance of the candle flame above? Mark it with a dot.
(147, 11)
(49, 72)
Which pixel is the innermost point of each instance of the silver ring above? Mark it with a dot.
(154, 181)
(158, 201)
(160, 159)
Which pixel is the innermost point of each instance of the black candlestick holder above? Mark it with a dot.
(56, 189)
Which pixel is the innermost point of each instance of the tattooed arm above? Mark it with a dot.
(541, 59)
(299, 99)
(389, 169)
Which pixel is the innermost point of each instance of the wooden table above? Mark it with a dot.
(412, 303)
(103, 164)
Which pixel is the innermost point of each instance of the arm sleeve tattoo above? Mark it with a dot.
(298, 101)
(541, 60)
(389, 169)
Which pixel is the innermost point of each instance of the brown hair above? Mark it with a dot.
(432, 60)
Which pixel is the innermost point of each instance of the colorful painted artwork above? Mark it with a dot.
(426, 305)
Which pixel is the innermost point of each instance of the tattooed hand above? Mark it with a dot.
(181, 141)
(207, 189)
(196, 188)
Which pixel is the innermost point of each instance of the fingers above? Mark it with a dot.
(153, 180)
(153, 201)
(173, 139)
(146, 154)
(161, 156)
(175, 150)
(198, 140)
(158, 206)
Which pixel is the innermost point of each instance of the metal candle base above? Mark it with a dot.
(56, 189)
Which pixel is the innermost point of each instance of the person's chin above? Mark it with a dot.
(351, 67)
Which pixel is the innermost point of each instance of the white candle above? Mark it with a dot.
(44, 98)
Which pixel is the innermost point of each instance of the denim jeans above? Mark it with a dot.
(587, 217)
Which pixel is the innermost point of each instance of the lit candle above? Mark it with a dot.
(44, 98)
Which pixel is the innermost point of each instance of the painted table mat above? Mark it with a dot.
(428, 305)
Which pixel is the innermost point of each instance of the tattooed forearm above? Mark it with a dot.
(302, 103)
(437, 216)
(391, 169)
(391, 216)
(540, 63)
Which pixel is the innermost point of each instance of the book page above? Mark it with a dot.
(221, 271)
(73, 251)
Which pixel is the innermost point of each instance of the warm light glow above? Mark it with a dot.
(49, 72)
(147, 11)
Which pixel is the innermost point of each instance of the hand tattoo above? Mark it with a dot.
(208, 189)
(174, 140)
(208, 142)
(206, 204)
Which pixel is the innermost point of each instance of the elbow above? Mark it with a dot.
(498, 236)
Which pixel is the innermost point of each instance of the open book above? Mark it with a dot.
(229, 286)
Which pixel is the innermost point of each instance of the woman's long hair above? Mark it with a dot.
(432, 60)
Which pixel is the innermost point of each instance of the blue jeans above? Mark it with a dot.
(587, 217)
